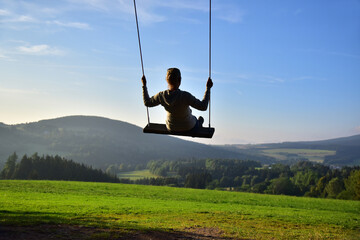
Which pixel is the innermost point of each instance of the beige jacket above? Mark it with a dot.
(176, 104)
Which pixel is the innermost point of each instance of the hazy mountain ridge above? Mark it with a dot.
(329, 144)
(347, 149)
(99, 142)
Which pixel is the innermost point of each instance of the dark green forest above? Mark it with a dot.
(48, 167)
(300, 179)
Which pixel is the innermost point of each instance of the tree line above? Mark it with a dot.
(300, 179)
(48, 167)
(303, 178)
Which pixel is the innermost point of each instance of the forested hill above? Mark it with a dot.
(99, 142)
(329, 144)
(347, 149)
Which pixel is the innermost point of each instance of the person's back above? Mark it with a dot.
(176, 102)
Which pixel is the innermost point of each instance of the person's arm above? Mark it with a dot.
(149, 102)
(203, 104)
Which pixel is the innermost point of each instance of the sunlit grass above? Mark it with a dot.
(119, 206)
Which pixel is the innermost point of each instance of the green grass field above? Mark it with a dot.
(129, 208)
(288, 153)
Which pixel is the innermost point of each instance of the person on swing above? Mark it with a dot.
(176, 103)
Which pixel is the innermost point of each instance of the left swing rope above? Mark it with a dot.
(141, 58)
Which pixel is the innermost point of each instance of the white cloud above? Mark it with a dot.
(228, 12)
(78, 25)
(272, 79)
(114, 79)
(24, 18)
(232, 16)
(4, 12)
(42, 49)
(184, 4)
(38, 15)
(13, 18)
(18, 91)
(4, 56)
(99, 5)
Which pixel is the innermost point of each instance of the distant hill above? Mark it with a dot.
(100, 142)
(329, 144)
(347, 149)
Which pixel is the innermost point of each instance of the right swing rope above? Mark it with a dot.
(209, 59)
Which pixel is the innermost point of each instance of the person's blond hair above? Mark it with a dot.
(173, 76)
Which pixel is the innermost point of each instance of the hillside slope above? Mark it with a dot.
(99, 142)
(347, 149)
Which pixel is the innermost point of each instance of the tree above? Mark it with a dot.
(9, 167)
(197, 180)
(319, 189)
(112, 170)
(281, 185)
(304, 180)
(352, 185)
(226, 182)
(334, 187)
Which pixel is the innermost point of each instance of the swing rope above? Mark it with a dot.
(142, 63)
(209, 59)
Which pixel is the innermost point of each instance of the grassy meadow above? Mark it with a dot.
(164, 209)
(314, 155)
(134, 175)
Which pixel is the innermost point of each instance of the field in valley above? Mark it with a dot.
(134, 175)
(115, 211)
(314, 155)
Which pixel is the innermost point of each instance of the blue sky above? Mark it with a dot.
(282, 70)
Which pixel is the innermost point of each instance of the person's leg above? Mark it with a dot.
(198, 125)
(200, 121)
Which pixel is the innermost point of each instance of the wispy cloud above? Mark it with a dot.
(272, 79)
(184, 4)
(42, 49)
(149, 10)
(230, 13)
(258, 78)
(18, 19)
(78, 25)
(19, 91)
(333, 53)
(342, 54)
(113, 79)
(2, 56)
(5, 56)
(4, 12)
(14, 18)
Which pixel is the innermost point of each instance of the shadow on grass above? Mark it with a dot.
(45, 225)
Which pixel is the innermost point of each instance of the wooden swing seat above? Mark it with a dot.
(157, 128)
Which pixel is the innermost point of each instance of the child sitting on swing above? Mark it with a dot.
(176, 103)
